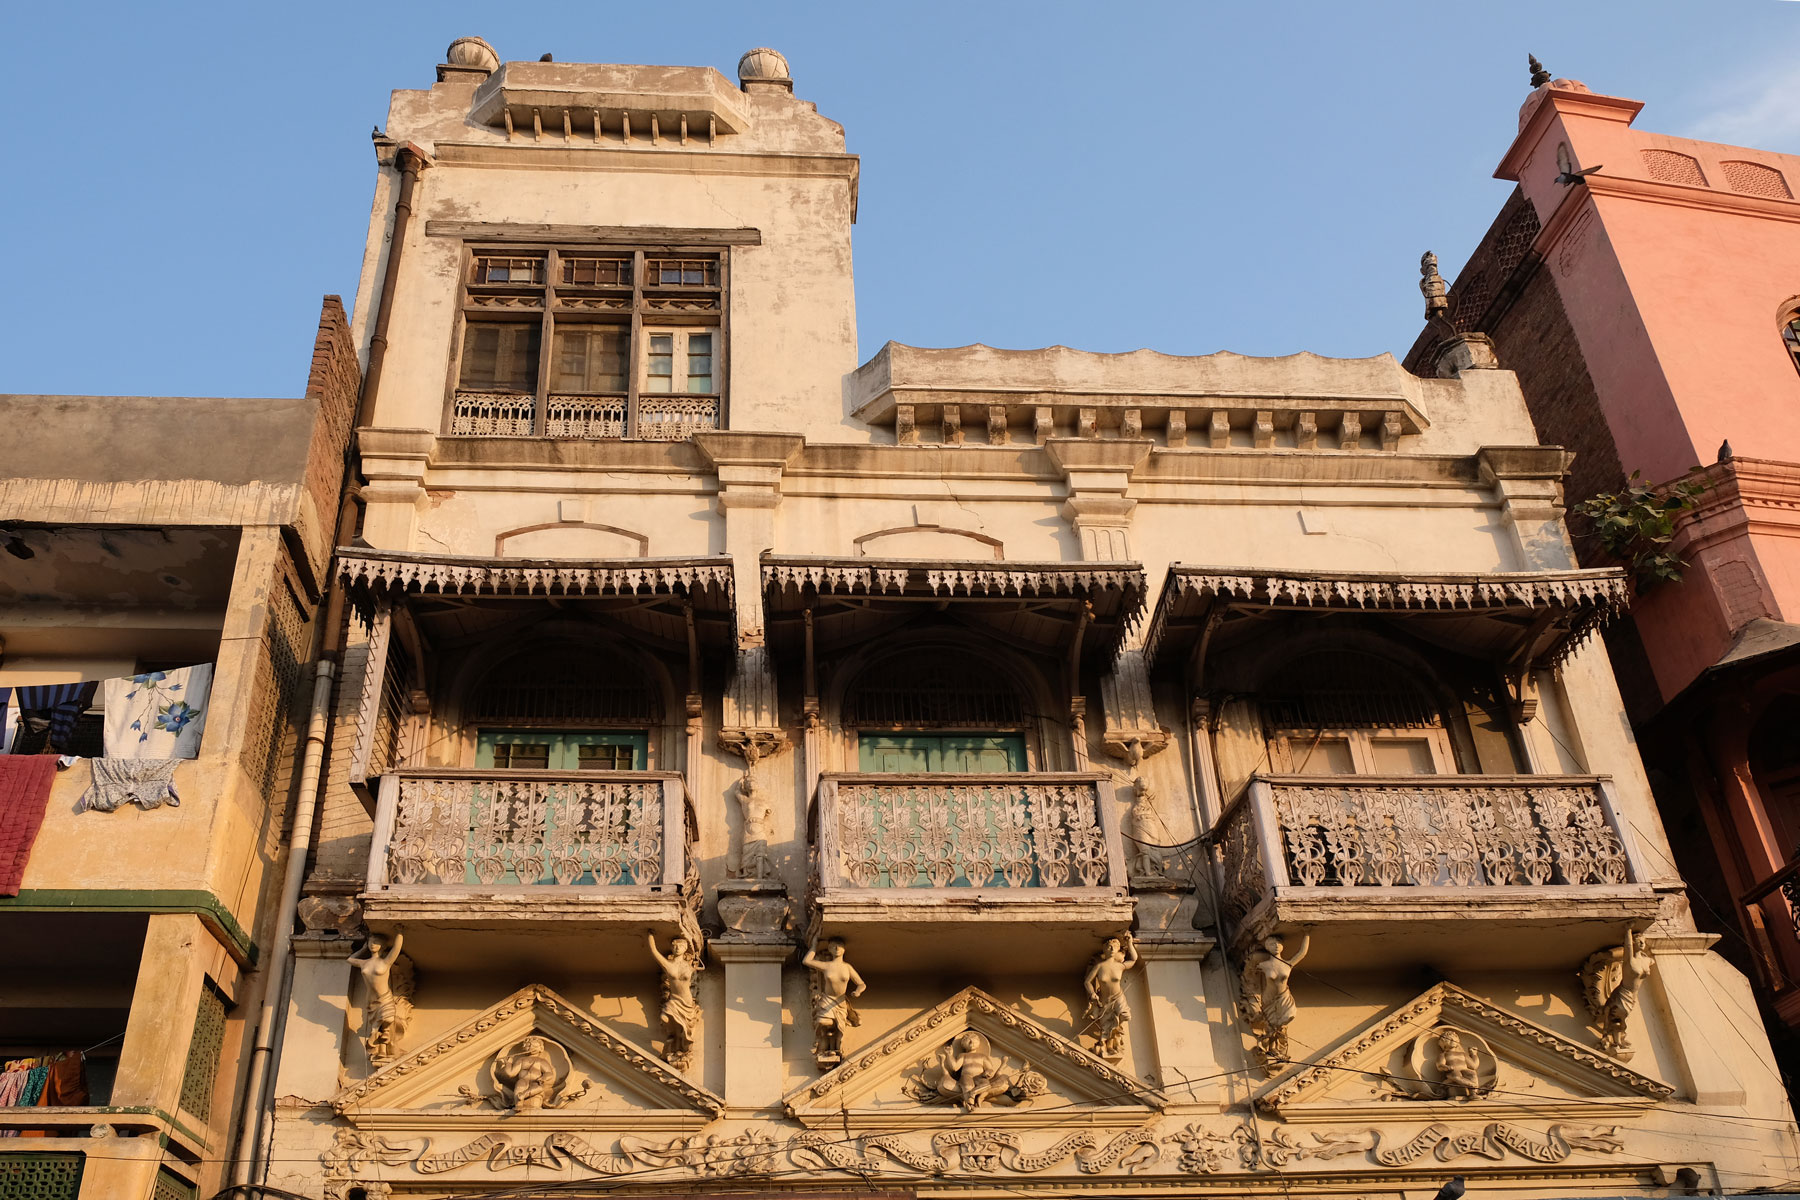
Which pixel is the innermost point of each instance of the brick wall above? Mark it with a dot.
(333, 386)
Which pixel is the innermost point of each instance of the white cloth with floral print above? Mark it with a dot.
(159, 714)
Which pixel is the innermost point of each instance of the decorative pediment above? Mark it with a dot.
(1451, 1053)
(532, 1059)
(973, 1055)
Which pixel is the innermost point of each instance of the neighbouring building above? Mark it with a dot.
(163, 563)
(967, 771)
(1646, 289)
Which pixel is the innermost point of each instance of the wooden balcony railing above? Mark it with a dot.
(491, 831)
(958, 832)
(1432, 833)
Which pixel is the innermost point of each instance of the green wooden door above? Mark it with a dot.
(956, 753)
(560, 750)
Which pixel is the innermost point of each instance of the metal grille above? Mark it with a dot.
(390, 714)
(203, 1055)
(1672, 167)
(267, 733)
(492, 414)
(584, 417)
(40, 1176)
(930, 691)
(1341, 689)
(170, 1186)
(568, 685)
(1756, 180)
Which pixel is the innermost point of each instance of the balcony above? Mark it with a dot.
(1464, 871)
(985, 872)
(531, 859)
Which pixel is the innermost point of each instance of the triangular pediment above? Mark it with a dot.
(532, 1058)
(899, 1081)
(1449, 1052)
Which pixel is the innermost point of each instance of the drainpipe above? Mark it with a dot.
(248, 1159)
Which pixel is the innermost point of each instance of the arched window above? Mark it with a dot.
(1353, 712)
(564, 706)
(936, 709)
(1790, 336)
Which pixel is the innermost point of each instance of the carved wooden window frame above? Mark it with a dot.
(1288, 748)
(648, 308)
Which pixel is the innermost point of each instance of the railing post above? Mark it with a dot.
(387, 804)
(1609, 805)
(1267, 829)
(1109, 830)
(674, 819)
(830, 860)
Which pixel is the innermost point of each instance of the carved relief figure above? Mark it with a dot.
(758, 814)
(1267, 1005)
(1107, 1012)
(968, 1072)
(680, 1011)
(532, 1074)
(1609, 984)
(388, 1011)
(1457, 1065)
(834, 983)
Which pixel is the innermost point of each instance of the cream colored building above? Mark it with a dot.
(674, 621)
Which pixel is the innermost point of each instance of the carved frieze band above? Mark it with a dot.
(452, 575)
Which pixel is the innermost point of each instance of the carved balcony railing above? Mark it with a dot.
(657, 418)
(1312, 850)
(582, 835)
(926, 852)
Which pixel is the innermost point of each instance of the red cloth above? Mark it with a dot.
(24, 796)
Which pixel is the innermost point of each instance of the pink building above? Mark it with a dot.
(1646, 289)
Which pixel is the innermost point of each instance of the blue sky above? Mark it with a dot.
(185, 181)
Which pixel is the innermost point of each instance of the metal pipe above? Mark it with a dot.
(410, 160)
(262, 1051)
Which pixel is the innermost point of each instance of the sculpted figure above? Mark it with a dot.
(1105, 984)
(680, 1011)
(968, 1072)
(1267, 1005)
(389, 1009)
(527, 1075)
(1458, 1065)
(758, 813)
(1609, 983)
(834, 983)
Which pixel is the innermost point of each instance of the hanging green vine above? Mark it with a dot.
(1637, 525)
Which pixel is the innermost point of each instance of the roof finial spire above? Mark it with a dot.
(1431, 285)
(1539, 76)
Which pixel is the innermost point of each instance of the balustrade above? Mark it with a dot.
(495, 830)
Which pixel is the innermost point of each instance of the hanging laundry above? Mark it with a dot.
(55, 704)
(146, 782)
(9, 721)
(159, 714)
(24, 796)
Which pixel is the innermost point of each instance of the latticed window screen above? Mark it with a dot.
(170, 1186)
(203, 1054)
(1338, 689)
(566, 685)
(935, 690)
(277, 678)
(40, 1176)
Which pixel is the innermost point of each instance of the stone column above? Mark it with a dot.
(749, 467)
(153, 1057)
(1098, 474)
(1694, 992)
(1185, 1062)
(1527, 481)
(318, 1018)
(753, 1064)
(394, 462)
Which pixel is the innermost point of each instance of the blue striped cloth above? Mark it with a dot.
(60, 704)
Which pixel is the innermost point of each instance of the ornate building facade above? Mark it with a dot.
(966, 771)
(1643, 286)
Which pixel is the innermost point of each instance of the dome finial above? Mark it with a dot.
(1539, 76)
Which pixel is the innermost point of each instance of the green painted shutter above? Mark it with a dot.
(914, 753)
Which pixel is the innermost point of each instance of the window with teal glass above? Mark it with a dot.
(954, 753)
(563, 750)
